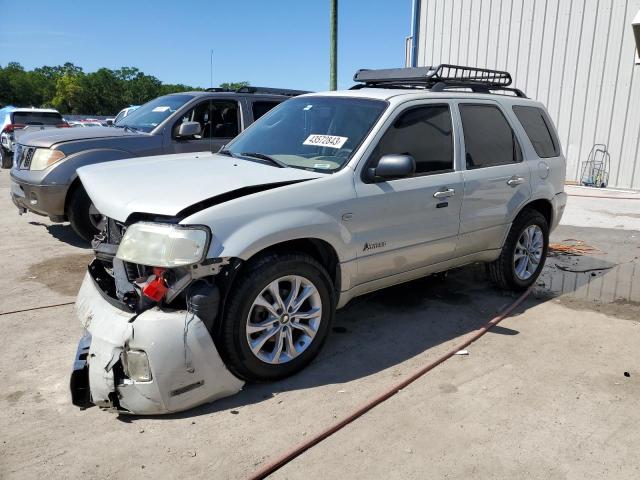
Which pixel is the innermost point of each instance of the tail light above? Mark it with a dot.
(63, 125)
(12, 126)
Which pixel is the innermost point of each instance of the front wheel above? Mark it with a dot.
(82, 214)
(279, 313)
(523, 253)
(6, 159)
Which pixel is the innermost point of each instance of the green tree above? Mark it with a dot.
(234, 85)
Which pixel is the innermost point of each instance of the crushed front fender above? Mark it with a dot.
(186, 368)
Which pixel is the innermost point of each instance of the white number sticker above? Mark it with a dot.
(160, 109)
(330, 141)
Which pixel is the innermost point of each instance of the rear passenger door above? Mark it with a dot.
(496, 179)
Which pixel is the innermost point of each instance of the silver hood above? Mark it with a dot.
(50, 137)
(168, 184)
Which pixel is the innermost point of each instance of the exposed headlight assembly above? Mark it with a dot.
(163, 245)
(44, 157)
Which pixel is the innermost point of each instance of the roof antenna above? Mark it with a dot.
(209, 113)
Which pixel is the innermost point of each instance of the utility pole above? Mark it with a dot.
(333, 45)
(211, 69)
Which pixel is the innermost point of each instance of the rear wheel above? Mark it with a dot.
(82, 214)
(523, 254)
(6, 159)
(279, 313)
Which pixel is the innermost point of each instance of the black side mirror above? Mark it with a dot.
(393, 166)
(189, 130)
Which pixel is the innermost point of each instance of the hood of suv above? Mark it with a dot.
(49, 137)
(169, 184)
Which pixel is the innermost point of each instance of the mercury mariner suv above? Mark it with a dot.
(215, 269)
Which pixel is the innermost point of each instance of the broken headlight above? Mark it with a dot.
(163, 245)
(136, 365)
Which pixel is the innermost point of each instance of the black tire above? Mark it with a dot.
(502, 271)
(78, 208)
(256, 275)
(6, 158)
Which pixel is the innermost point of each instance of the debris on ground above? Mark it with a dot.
(571, 246)
(462, 352)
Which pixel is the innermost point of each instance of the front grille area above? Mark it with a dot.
(27, 156)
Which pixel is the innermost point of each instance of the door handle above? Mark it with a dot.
(515, 181)
(450, 192)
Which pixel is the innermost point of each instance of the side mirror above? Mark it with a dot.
(189, 130)
(109, 122)
(393, 166)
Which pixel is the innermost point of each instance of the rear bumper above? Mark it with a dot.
(45, 200)
(186, 369)
(558, 202)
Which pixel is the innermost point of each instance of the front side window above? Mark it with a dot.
(488, 138)
(153, 113)
(217, 119)
(315, 133)
(538, 129)
(426, 134)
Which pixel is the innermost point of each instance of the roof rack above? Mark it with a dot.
(439, 78)
(267, 90)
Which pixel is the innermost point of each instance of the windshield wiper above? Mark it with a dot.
(127, 127)
(228, 153)
(262, 156)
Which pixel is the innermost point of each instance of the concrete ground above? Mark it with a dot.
(552, 392)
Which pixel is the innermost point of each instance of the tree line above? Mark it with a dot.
(70, 90)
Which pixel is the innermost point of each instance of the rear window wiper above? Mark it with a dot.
(262, 156)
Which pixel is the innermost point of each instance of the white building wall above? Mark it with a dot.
(576, 56)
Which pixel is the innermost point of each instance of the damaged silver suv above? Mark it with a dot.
(215, 269)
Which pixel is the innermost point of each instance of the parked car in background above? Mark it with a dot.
(229, 267)
(122, 114)
(87, 123)
(16, 121)
(44, 178)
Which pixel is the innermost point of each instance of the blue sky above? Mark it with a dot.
(278, 43)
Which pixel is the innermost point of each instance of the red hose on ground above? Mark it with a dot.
(307, 444)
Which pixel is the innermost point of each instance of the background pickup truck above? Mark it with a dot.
(44, 178)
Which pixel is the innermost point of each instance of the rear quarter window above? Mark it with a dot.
(537, 125)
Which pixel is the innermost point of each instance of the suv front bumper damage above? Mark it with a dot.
(186, 369)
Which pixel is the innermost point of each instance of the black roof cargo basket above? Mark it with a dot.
(266, 90)
(437, 79)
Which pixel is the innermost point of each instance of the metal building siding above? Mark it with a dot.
(576, 56)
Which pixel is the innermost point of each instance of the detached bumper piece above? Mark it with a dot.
(79, 383)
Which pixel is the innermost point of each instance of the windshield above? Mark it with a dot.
(153, 113)
(315, 133)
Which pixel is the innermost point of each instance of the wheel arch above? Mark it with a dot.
(541, 205)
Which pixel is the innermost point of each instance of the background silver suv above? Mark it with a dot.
(242, 257)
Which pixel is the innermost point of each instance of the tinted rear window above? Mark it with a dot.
(37, 118)
(538, 128)
(260, 108)
(488, 137)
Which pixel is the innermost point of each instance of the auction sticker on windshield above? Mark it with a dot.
(330, 141)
